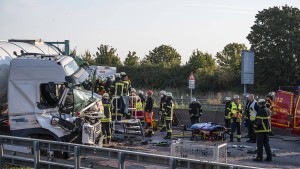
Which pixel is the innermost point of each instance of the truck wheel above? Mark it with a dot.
(56, 154)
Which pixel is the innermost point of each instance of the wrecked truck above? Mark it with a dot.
(42, 96)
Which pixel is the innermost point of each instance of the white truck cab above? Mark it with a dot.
(46, 99)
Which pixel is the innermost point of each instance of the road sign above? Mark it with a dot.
(191, 81)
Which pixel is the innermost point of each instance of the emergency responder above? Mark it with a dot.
(119, 86)
(148, 108)
(169, 114)
(226, 118)
(109, 82)
(235, 115)
(126, 84)
(251, 110)
(142, 96)
(262, 128)
(161, 111)
(106, 121)
(195, 111)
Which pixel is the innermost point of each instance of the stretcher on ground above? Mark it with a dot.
(209, 131)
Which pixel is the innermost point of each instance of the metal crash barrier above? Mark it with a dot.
(77, 152)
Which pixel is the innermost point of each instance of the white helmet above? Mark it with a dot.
(140, 92)
(132, 90)
(194, 99)
(236, 96)
(163, 92)
(227, 98)
(169, 94)
(106, 96)
(261, 101)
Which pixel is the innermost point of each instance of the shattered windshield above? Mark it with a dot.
(78, 99)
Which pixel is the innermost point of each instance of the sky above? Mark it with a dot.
(134, 25)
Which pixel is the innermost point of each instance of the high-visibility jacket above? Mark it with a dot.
(107, 112)
(227, 110)
(119, 87)
(262, 123)
(169, 109)
(126, 87)
(235, 112)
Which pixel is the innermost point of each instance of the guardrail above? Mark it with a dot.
(37, 161)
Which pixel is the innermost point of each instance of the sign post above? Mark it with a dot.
(191, 84)
(247, 72)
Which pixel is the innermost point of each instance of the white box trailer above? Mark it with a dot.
(103, 71)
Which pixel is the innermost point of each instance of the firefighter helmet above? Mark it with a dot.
(140, 92)
(132, 90)
(236, 96)
(105, 96)
(123, 74)
(117, 75)
(169, 94)
(227, 98)
(194, 99)
(162, 92)
(261, 101)
(149, 92)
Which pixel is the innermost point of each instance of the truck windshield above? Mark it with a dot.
(83, 98)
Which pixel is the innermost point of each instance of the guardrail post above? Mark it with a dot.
(121, 160)
(77, 157)
(36, 154)
(172, 163)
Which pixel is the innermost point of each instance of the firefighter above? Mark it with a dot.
(195, 111)
(235, 115)
(169, 114)
(226, 118)
(142, 96)
(148, 108)
(262, 126)
(106, 121)
(251, 110)
(161, 111)
(118, 86)
(126, 84)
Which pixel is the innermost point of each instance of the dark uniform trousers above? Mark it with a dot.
(263, 141)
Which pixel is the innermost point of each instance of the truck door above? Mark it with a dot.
(296, 126)
(282, 107)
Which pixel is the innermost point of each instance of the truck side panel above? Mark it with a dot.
(282, 107)
(296, 118)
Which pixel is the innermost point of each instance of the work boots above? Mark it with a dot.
(168, 136)
(231, 137)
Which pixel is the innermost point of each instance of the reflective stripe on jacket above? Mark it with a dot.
(262, 122)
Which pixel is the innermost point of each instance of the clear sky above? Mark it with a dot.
(134, 25)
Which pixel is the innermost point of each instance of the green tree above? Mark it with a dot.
(87, 56)
(200, 61)
(163, 55)
(131, 59)
(73, 52)
(275, 39)
(106, 55)
(230, 57)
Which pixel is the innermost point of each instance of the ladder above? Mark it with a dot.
(127, 127)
